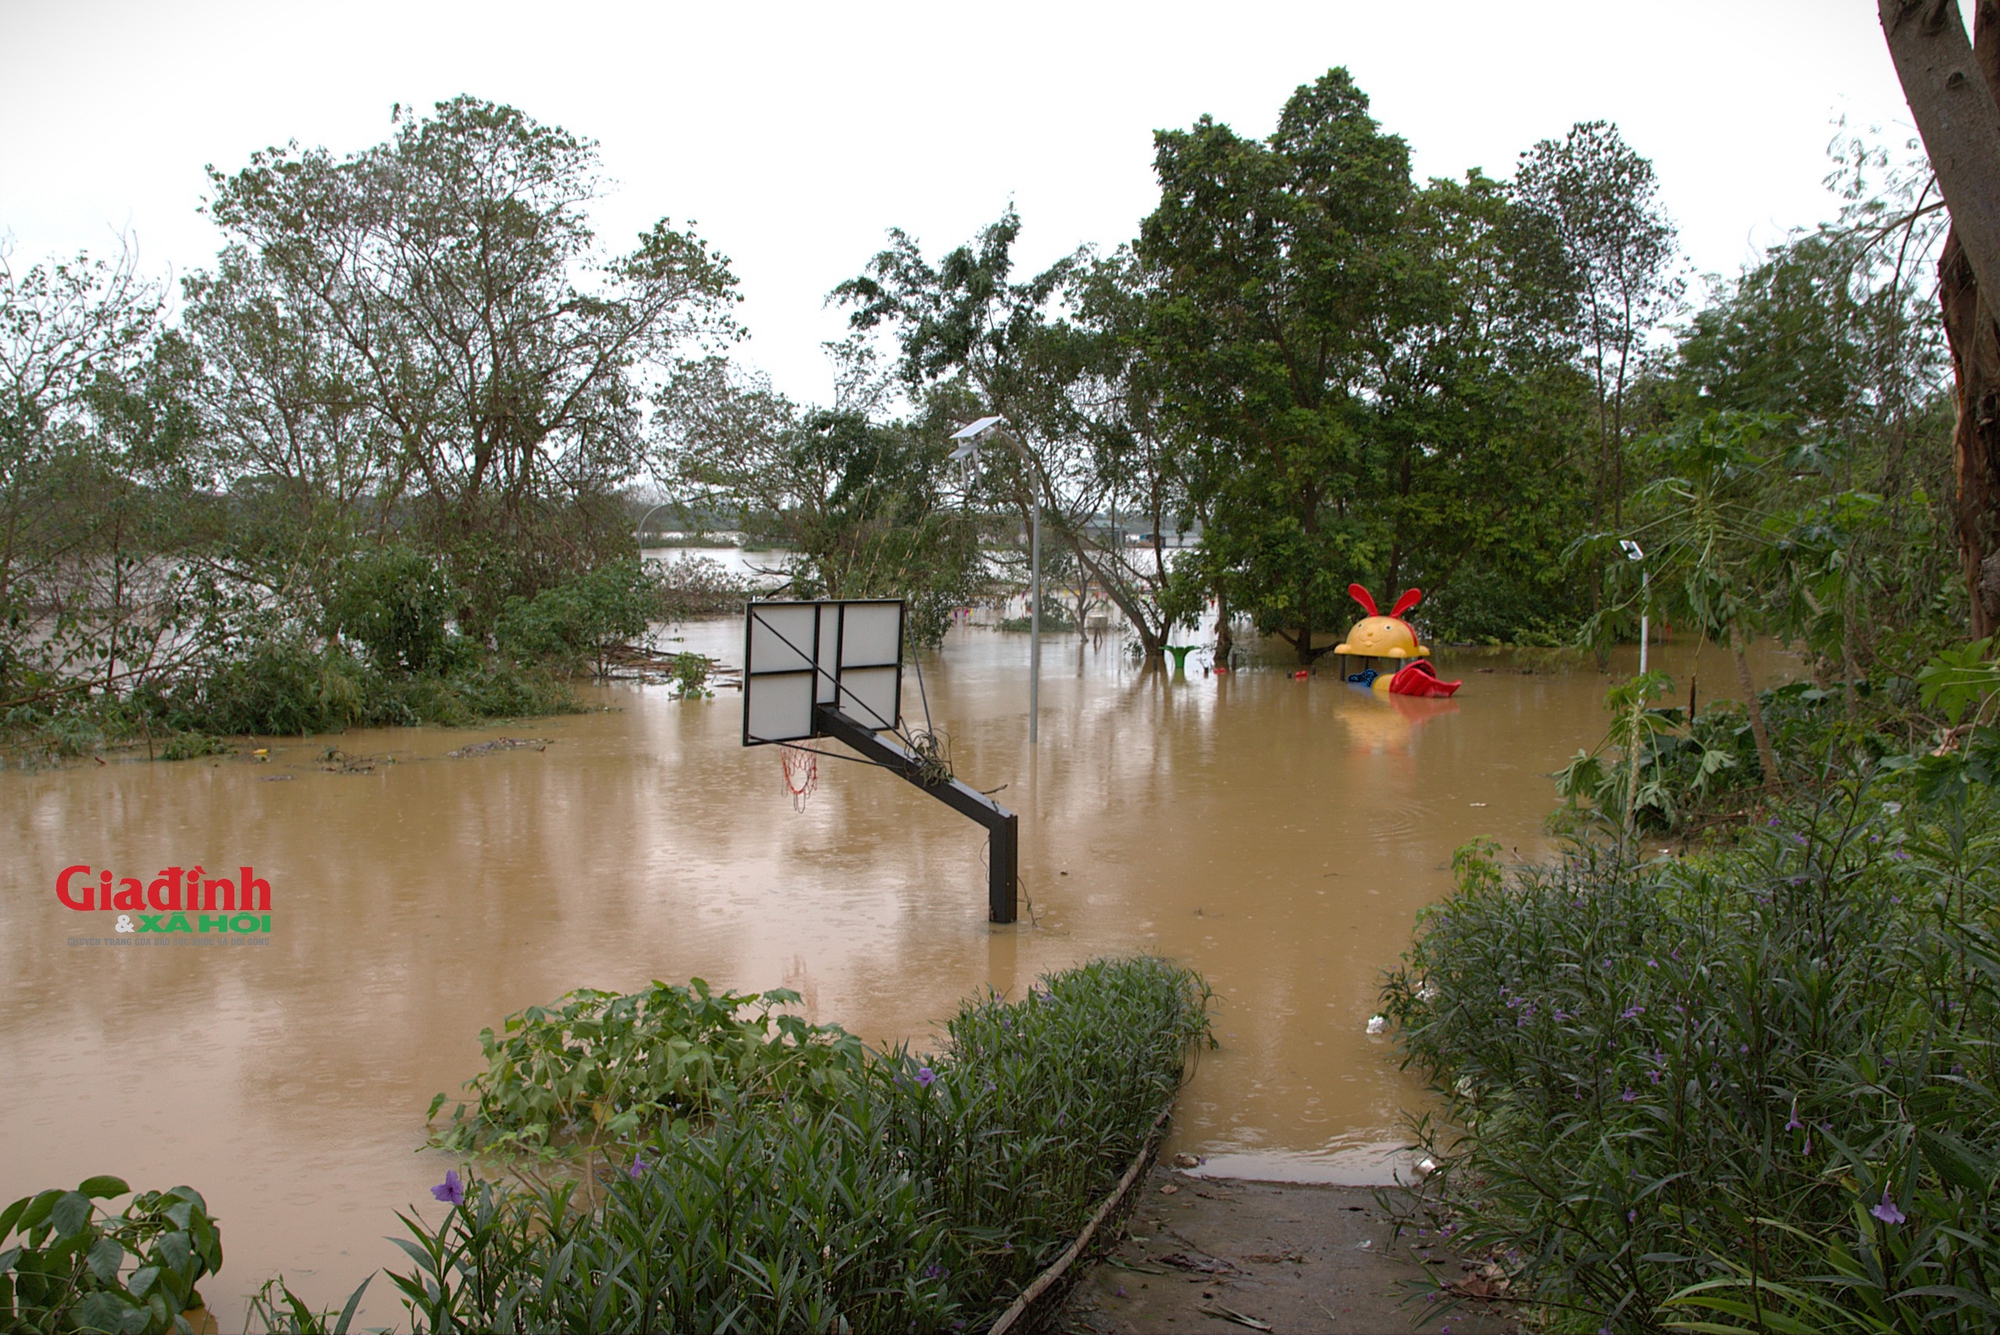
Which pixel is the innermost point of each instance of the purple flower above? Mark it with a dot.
(1629, 1096)
(1631, 1216)
(1631, 1012)
(637, 1167)
(1656, 1076)
(1886, 1211)
(935, 1271)
(1795, 1124)
(926, 1076)
(1900, 855)
(451, 1189)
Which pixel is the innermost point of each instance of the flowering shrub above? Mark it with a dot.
(921, 1195)
(1751, 1090)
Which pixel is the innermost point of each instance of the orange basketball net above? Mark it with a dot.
(801, 773)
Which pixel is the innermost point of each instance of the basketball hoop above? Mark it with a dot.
(801, 773)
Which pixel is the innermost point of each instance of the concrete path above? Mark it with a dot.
(1220, 1255)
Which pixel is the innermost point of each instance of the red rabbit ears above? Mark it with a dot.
(1410, 598)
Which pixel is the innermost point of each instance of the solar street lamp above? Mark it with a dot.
(1634, 553)
(968, 439)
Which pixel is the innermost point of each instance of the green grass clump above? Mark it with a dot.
(1757, 1089)
(917, 1192)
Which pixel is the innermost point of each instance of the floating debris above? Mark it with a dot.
(1378, 1024)
(499, 744)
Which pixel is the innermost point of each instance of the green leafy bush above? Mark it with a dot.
(691, 676)
(397, 603)
(817, 1187)
(580, 620)
(597, 1066)
(1754, 1090)
(71, 1266)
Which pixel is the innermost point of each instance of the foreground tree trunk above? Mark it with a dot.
(1767, 756)
(1954, 93)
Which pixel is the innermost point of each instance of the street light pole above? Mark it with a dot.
(1034, 614)
(640, 533)
(1633, 552)
(968, 451)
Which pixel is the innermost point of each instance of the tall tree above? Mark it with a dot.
(449, 282)
(1953, 90)
(1059, 355)
(1273, 260)
(96, 479)
(862, 503)
(1602, 200)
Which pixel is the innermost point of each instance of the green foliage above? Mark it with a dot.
(1755, 1088)
(690, 674)
(914, 1193)
(66, 1267)
(861, 503)
(396, 603)
(1375, 377)
(1960, 679)
(597, 1067)
(285, 1313)
(582, 619)
(192, 745)
(282, 686)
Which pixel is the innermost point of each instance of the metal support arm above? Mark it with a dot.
(1003, 826)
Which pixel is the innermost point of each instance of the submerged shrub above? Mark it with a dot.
(581, 619)
(1758, 1089)
(812, 1186)
(396, 603)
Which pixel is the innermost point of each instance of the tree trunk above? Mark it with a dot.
(1225, 643)
(1767, 758)
(1954, 93)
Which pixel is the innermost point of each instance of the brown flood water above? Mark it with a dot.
(1279, 835)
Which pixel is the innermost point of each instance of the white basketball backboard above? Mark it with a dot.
(799, 655)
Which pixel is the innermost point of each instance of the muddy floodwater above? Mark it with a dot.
(1279, 835)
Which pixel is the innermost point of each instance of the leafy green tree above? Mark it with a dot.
(96, 439)
(1705, 526)
(1831, 339)
(1602, 201)
(1274, 260)
(441, 302)
(1062, 358)
(862, 504)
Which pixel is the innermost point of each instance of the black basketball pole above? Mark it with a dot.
(1003, 826)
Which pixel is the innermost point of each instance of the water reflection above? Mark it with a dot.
(1278, 834)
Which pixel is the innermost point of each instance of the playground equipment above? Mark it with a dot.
(835, 669)
(1378, 636)
(1419, 678)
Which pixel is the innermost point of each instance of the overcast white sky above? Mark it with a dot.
(796, 134)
